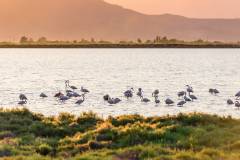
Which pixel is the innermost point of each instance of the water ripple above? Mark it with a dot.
(112, 71)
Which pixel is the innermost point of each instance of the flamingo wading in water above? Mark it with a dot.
(157, 101)
(189, 89)
(140, 92)
(145, 100)
(129, 93)
(59, 94)
(23, 99)
(181, 103)
(181, 94)
(43, 95)
(80, 101)
(67, 83)
(106, 97)
(155, 93)
(230, 102)
(84, 90)
(213, 91)
(169, 101)
(237, 104)
(237, 95)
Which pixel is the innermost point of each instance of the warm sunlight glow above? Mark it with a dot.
(189, 8)
(120, 19)
(120, 79)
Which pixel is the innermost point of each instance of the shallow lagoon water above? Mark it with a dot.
(112, 71)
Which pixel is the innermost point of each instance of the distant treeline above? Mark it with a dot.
(157, 42)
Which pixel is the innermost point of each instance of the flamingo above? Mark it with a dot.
(59, 94)
(189, 89)
(63, 98)
(155, 93)
(237, 95)
(140, 92)
(181, 103)
(216, 91)
(67, 83)
(213, 91)
(23, 97)
(113, 100)
(106, 97)
(157, 101)
(68, 91)
(43, 95)
(193, 97)
(73, 94)
(129, 93)
(84, 90)
(117, 100)
(80, 101)
(145, 100)
(70, 94)
(181, 94)
(237, 104)
(22, 102)
(230, 102)
(186, 98)
(168, 101)
(73, 87)
(110, 100)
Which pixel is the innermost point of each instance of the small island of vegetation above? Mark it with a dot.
(25, 136)
(157, 42)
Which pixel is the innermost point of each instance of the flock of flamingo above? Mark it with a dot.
(185, 96)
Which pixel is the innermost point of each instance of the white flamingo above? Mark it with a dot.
(80, 101)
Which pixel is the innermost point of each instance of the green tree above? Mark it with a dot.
(84, 41)
(199, 41)
(157, 39)
(23, 39)
(122, 42)
(93, 40)
(148, 42)
(139, 40)
(30, 40)
(165, 39)
(42, 40)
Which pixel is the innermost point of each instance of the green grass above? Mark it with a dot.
(26, 135)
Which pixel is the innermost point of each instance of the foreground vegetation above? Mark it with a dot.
(25, 135)
(157, 42)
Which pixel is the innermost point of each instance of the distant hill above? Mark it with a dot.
(76, 19)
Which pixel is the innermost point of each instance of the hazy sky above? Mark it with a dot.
(189, 8)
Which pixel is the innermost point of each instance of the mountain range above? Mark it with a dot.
(77, 19)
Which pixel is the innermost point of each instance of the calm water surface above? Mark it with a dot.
(112, 71)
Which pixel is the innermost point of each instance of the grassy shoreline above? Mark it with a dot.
(156, 42)
(27, 135)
